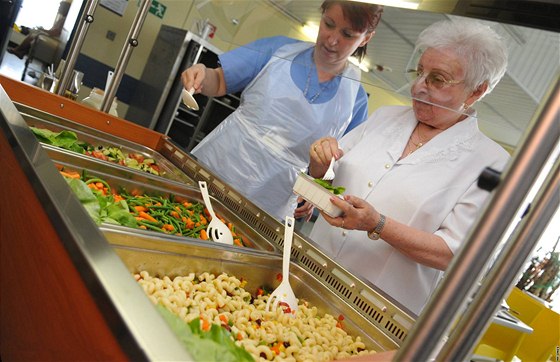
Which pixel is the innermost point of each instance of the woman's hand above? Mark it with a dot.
(193, 77)
(357, 214)
(421, 246)
(304, 211)
(320, 154)
(208, 81)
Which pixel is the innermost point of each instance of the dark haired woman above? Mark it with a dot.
(293, 93)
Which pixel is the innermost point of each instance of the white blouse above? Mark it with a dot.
(433, 189)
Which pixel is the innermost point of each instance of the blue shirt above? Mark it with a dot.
(242, 65)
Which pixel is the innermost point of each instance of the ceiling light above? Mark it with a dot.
(310, 30)
(412, 4)
(362, 65)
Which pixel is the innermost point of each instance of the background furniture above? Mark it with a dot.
(502, 343)
(9, 10)
(46, 50)
(156, 102)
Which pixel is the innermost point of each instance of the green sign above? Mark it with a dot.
(158, 9)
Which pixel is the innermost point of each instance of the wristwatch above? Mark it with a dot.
(376, 232)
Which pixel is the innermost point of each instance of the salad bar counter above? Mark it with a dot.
(102, 220)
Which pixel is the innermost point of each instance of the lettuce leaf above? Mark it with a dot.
(102, 208)
(63, 139)
(87, 198)
(337, 190)
(215, 345)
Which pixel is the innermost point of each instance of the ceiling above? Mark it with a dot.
(534, 61)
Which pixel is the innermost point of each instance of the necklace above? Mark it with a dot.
(416, 145)
(307, 84)
(420, 142)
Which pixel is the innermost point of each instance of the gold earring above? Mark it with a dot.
(465, 106)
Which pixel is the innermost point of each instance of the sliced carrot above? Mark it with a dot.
(223, 318)
(140, 208)
(239, 336)
(246, 241)
(203, 234)
(70, 174)
(146, 216)
(175, 214)
(237, 242)
(168, 227)
(142, 227)
(205, 325)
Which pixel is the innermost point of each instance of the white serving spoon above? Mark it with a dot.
(189, 100)
(283, 295)
(217, 230)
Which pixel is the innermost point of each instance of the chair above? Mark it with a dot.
(502, 343)
(523, 305)
(542, 344)
(499, 343)
(46, 49)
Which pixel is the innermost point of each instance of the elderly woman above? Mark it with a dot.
(411, 172)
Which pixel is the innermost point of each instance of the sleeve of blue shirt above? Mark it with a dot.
(360, 112)
(241, 65)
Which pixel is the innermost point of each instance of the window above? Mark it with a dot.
(35, 13)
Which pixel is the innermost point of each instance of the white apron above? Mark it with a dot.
(261, 147)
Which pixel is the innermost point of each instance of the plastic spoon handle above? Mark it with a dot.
(206, 197)
(288, 237)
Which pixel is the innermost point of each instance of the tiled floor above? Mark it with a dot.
(12, 67)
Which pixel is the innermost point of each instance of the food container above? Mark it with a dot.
(98, 138)
(140, 184)
(95, 99)
(162, 258)
(316, 194)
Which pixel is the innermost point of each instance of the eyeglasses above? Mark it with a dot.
(433, 80)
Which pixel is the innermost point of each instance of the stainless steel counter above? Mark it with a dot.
(104, 265)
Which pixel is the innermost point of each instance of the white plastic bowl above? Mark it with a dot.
(316, 194)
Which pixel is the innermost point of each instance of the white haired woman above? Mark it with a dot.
(411, 172)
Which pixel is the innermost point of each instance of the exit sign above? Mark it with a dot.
(158, 9)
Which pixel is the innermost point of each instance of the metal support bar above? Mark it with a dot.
(463, 274)
(498, 282)
(131, 43)
(76, 46)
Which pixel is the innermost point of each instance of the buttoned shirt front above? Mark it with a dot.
(433, 189)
